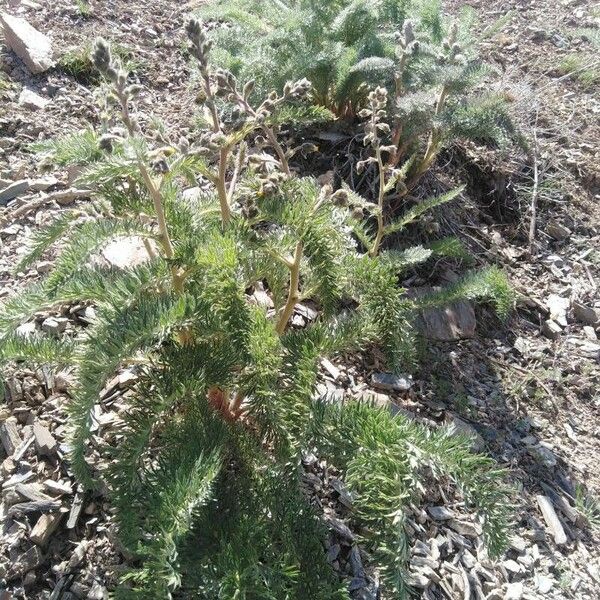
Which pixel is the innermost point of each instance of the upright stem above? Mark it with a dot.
(294, 291)
(211, 98)
(433, 143)
(285, 167)
(377, 242)
(239, 161)
(221, 186)
(165, 239)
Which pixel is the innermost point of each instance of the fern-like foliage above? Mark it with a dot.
(205, 470)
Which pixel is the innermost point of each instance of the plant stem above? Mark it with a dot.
(294, 291)
(165, 239)
(239, 161)
(376, 243)
(285, 167)
(221, 185)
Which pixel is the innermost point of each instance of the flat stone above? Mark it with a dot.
(13, 190)
(30, 45)
(543, 455)
(586, 314)
(440, 513)
(544, 584)
(558, 307)
(557, 231)
(552, 520)
(514, 591)
(465, 528)
(391, 382)
(26, 562)
(44, 528)
(45, 442)
(455, 321)
(551, 329)
(340, 528)
(10, 436)
(31, 100)
(460, 427)
(55, 325)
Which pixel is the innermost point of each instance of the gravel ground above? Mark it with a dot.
(527, 391)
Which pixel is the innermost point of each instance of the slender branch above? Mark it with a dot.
(222, 186)
(239, 162)
(285, 167)
(377, 242)
(535, 190)
(294, 291)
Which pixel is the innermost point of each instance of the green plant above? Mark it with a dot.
(588, 506)
(77, 62)
(204, 467)
(84, 9)
(583, 68)
(428, 66)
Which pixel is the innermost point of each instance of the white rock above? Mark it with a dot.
(30, 45)
(125, 253)
(558, 307)
(30, 99)
(514, 591)
(55, 324)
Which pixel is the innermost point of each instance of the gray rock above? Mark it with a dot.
(453, 322)
(465, 528)
(9, 435)
(460, 427)
(45, 442)
(440, 513)
(26, 562)
(388, 381)
(13, 190)
(557, 231)
(551, 329)
(586, 314)
(340, 528)
(30, 45)
(543, 455)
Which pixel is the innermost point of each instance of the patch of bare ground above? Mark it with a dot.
(526, 390)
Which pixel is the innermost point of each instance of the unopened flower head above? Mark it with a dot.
(102, 59)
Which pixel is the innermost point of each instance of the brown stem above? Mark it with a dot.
(294, 291)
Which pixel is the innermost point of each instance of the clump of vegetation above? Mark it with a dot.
(205, 474)
(428, 66)
(583, 68)
(77, 63)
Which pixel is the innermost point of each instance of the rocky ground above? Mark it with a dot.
(526, 391)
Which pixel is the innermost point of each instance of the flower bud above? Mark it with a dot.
(340, 198)
(248, 89)
(357, 213)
